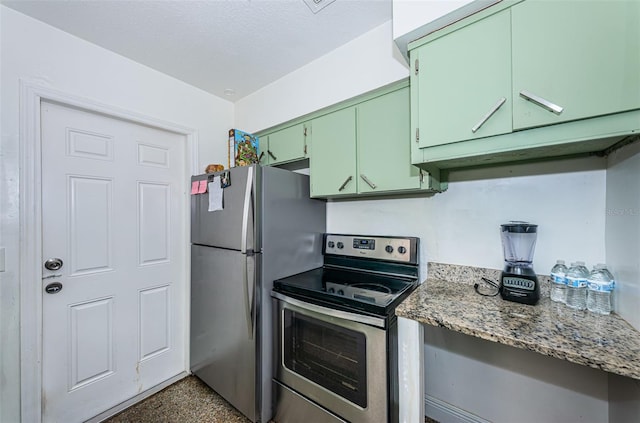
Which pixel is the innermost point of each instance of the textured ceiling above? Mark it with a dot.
(216, 44)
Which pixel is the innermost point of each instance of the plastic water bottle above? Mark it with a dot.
(577, 276)
(600, 289)
(558, 282)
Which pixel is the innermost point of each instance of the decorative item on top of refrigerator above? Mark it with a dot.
(243, 148)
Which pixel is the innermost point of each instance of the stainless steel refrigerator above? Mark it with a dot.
(268, 228)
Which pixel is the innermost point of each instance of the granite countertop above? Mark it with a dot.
(448, 299)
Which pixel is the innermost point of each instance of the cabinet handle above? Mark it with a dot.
(371, 184)
(489, 114)
(545, 104)
(344, 184)
(261, 156)
(271, 154)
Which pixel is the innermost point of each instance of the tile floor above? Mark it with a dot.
(186, 401)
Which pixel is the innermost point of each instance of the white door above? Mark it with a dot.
(113, 210)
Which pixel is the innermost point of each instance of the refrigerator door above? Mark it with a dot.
(292, 229)
(223, 310)
(234, 226)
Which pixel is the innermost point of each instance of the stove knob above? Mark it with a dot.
(340, 292)
(331, 290)
(331, 244)
(402, 250)
(340, 245)
(389, 249)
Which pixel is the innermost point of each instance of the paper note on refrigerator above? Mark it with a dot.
(203, 187)
(215, 195)
(194, 187)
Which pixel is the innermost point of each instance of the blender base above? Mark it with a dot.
(520, 285)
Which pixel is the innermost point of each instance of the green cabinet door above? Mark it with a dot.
(462, 77)
(583, 56)
(287, 144)
(332, 165)
(263, 147)
(384, 156)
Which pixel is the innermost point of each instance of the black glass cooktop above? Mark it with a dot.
(348, 290)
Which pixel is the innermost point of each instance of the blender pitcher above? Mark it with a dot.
(518, 281)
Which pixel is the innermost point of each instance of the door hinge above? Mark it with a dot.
(417, 134)
(416, 66)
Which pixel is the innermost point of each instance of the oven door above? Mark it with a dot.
(335, 358)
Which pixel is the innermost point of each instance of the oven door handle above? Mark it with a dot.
(353, 317)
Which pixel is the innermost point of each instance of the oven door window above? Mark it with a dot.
(329, 355)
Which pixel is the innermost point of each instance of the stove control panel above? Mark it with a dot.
(399, 249)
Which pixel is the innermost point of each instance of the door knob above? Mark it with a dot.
(53, 264)
(53, 288)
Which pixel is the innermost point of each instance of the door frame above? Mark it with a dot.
(32, 93)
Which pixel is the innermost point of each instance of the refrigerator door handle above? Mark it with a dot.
(245, 211)
(249, 293)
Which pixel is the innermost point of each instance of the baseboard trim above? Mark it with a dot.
(444, 412)
(128, 403)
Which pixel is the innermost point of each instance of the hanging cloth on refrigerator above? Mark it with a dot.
(215, 195)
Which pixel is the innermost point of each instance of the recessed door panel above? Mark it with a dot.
(150, 155)
(154, 321)
(91, 349)
(88, 145)
(91, 223)
(153, 224)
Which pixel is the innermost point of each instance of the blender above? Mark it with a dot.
(518, 281)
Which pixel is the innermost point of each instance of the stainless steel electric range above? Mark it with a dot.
(336, 331)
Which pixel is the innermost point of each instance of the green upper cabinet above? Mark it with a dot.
(383, 147)
(463, 83)
(332, 166)
(364, 149)
(286, 145)
(582, 56)
(526, 79)
(360, 146)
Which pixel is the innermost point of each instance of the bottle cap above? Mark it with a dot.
(580, 263)
(560, 262)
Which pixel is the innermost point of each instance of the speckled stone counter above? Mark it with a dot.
(448, 299)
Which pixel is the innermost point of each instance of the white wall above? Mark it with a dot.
(623, 230)
(566, 198)
(409, 15)
(361, 65)
(413, 19)
(33, 50)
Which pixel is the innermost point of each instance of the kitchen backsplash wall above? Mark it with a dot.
(566, 198)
